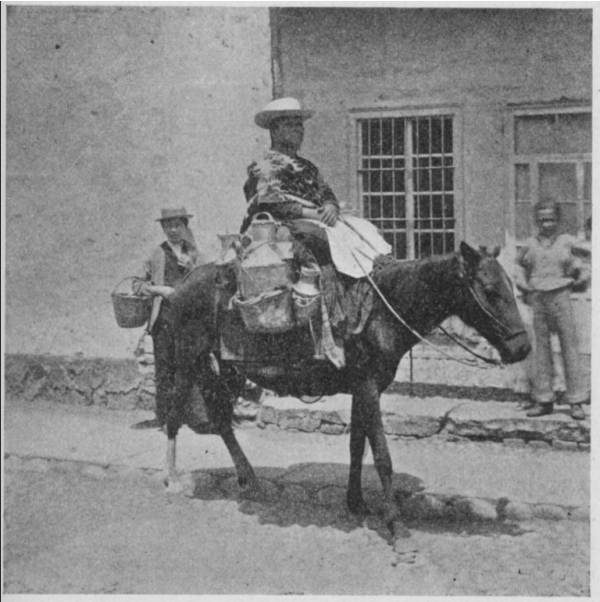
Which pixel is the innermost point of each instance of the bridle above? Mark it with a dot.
(484, 306)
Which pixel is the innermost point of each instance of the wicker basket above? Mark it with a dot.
(131, 311)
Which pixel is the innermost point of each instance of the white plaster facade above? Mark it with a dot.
(112, 113)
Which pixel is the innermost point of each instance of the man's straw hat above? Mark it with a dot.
(282, 107)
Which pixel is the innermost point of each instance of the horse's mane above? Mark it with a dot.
(404, 273)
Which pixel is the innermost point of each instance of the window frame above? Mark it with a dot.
(534, 160)
(357, 114)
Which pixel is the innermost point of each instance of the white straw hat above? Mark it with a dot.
(282, 107)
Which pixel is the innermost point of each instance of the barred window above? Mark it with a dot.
(552, 154)
(406, 182)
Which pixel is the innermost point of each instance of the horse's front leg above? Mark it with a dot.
(358, 439)
(368, 398)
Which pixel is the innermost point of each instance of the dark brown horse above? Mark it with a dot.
(467, 284)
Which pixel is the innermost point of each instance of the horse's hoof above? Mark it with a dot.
(262, 491)
(180, 484)
(406, 552)
(173, 486)
(359, 508)
(406, 558)
(146, 424)
(248, 484)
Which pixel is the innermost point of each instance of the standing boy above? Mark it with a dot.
(165, 268)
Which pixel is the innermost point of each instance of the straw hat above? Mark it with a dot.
(179, 213)
(282, 107)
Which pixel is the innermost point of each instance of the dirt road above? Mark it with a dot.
(72, 527)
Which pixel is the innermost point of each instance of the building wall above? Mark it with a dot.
(111, 114)
(337, 60)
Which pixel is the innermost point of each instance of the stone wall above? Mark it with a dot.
(113, 112)
(112, 383)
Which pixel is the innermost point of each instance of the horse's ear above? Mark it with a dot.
(483, 251)
(469, 254)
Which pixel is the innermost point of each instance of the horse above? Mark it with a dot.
(468, 283)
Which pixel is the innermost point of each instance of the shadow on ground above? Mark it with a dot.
(315, 494)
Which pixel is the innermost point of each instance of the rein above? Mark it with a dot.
(424, 340)
(481, 357)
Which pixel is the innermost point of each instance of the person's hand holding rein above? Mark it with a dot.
(328, 214)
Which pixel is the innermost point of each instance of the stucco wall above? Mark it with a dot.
(112, 113)
(481, 60)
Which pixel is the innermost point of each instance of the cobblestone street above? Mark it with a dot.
(88, 513)
(74, 528)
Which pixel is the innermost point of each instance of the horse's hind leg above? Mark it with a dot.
(220, 392)
(181, 393)
(245, 473)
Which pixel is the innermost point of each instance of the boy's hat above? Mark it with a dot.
(178, 213)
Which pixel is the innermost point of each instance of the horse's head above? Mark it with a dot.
(487, 303)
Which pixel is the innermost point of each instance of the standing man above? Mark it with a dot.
(550, 268)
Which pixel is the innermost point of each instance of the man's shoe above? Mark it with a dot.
(577, 412)
(147, 424)
(541, 409)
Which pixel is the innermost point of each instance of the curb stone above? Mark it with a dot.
(413, 418)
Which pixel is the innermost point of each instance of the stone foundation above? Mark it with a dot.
(116, 384)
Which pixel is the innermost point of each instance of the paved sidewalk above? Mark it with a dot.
(482, 479)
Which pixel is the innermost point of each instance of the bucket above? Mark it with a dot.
(307, 284)
(267, 313)
(263, 228)
(306, 308)
(131, 311)
(261, 271)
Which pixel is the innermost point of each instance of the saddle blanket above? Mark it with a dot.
(354, 244)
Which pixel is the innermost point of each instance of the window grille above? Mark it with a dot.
(552, 152)
(406, 182)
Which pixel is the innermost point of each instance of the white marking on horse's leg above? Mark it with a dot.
(171, 458)
(173, 482)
